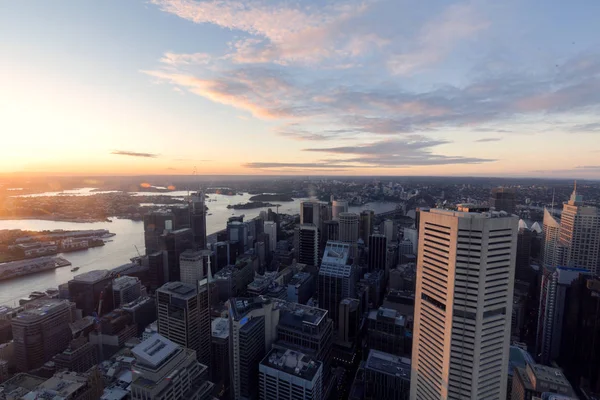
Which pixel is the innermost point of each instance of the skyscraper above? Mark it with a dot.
(366, 224)
(184, 318)
(155, 224)
(338, 207)
(377, 257)
(40, 332)
(310, 212)
(580, 233)
(550, 240)
(308, 245)
(90, 289)
(270, 228)
(388, 230)
(336, 278)
(198, 220)
(191, 267)
(172, 244)
(331, 231)
(463, 304)
(524, 240)
(503, 199)
(554, 285)
(349, 227)
(253, 328)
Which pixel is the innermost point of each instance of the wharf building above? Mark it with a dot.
(287, 374)
(463, 304)
(165, 370)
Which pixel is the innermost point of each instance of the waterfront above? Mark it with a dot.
(129, 234)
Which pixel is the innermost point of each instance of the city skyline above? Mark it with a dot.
(278, 88)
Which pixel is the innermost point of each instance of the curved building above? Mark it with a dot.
(338, 207)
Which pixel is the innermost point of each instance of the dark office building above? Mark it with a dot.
(389, 331)
(336, 279)
(382, 376)
(580, 347)
(308, 245)
(181, 215)
(377, 256)
(80, 356)
(155, 224)
(331, 231)
(89, 288)
(523, 271)
(503, 199)
(156, 270)
(142, 311)
(221, 250)
(174, 243)
(198, 220)
(220, 353)
(366, 224)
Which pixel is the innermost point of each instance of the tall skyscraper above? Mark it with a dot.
(308, 245)
(164, 369)
(184, 318)
(172, 244)
(40, 332)
(580, 233)
(338, 207)
(155, 224)
(463, 304)
(331, 231)
(336, 278)
(388, 230)
(524, 240)
(551, 311)
(90, 289)
(377, 256)
(349, 227)
(253, 328)
(270, 228)
(125, 290)
(287, 374)
(198, 220)
(550, 240)
(366, 224)
(310, 212)
(503, 199)
(191, 266)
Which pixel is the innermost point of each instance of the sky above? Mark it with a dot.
(355, 87)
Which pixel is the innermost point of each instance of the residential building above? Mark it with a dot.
(463, 305)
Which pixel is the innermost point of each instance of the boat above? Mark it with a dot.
(74, 269)
(209, 213)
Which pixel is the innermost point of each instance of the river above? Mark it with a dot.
(129, 234)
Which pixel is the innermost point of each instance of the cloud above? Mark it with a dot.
(488, 140)
(133, 154)
(591, 127)
(268, 165)
(178, 59)
(438, 38)
(415, 150)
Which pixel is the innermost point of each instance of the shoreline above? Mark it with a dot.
(83, 221)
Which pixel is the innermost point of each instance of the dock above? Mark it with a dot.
(31, 266)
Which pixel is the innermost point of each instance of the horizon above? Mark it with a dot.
(346, 88)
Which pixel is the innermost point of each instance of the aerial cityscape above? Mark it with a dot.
(299, 200)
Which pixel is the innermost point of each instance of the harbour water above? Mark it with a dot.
(129, 235)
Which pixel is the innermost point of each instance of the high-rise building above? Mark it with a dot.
(331, 231)
(80, 356)
(287, 374)
(550, 240)
(580, 233)
(155, 223)
(191, 266)
(349, 227)
(366, 224)
(237, 232)
(270, 228)
(310, 213)
(338, 207)
(184, 318)
(463, 304)
(524, 239)
(336, 278)
(308, 245)
(92, 292)
(554, 285)
(503, 199)
(389, 331)
(580, 352)
(535, 380)
(300, 288)
(157, 274)
(165, 370)
(125, 290)
(377, 256)
(40, 332)
(198, 220)
(349, 321)
(388, 230)
(172, 244)
(221, 250)
(220, 353)
(252, 329)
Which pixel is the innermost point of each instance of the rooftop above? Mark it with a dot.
(388, 313)
(92, 276)
(124, 281)
(220, 328)
(154, 350)
(39, 308)
(472, 211)
(388, 364)
(299, 278)
(61, 385)
(335, 259)
(178, 289)
(293, 363)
